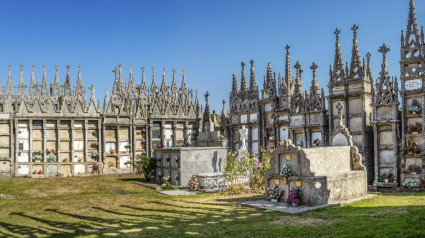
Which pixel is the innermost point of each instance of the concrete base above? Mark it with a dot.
(287, 208)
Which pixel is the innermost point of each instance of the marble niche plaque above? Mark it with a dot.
(413, 84)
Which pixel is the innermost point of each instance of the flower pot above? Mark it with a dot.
(285, 180)
(273, 200)
(423, 185)
(386, 180)
(295, 204)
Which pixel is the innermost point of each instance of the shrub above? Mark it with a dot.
(146, 166)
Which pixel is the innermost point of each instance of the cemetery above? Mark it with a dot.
(282, 161)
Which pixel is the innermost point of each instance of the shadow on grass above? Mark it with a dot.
(190, 218)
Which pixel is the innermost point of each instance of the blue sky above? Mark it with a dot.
(208, 38)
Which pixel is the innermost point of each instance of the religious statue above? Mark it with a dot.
(243, 132)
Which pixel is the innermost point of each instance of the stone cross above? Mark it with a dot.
(206, 97)
(92, 88)
(287, 49)
(224, 103)
(340, 106)
(384, 50)
(299, 69)
(314, 67)
(337, 31)
(355, 28)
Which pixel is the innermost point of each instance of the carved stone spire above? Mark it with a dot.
(223, 114)
(298, 80)
(115, 87)
(80, 91)
(56, 84)
(131, 90)
(93, 94)
(314, 84)
(197, 107)
(356, 63)
(270, 81)
(33, 83)
(234, 84)
(44, 85)
(9, 87)
(244, 86)
(106, 100)
(174, 83)
(206, 121)
(183, 87)
(67, 86)
(288, 69)
(386, 86)
(121, 87)
(153, 84)
(252, 80)
(22, 86)
(338, 72)
(412, 32)
(143, 87)
(164, 86)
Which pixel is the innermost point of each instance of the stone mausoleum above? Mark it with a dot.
(49, 129)
(389, 138)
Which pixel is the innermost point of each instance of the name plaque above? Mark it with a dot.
(413, 84)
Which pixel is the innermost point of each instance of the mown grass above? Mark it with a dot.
(114, 206)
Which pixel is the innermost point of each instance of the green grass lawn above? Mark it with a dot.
(114, 206)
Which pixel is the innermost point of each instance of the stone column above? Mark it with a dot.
(71, 159)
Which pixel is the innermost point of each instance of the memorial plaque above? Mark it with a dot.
(52, 169)
(413, 84)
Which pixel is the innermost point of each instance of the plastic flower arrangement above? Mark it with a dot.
(193, 183)
(294, 197)
(274, 193)
(410, 183)
(417, 127)
(317, 142)
(299, 143)
(414, 169)
(414, 108)
(51, 158)
(285, 171)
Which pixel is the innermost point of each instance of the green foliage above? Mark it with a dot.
(169, 187)
(248, 165)
(146, 165)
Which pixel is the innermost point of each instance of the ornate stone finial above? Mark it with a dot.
(244, 86)
(224, 103)
(384, 50)
(313, 67)
(32, 67)
(297, 66)
(163, 71)
(340, 106)
(174, 70)
(184, 71)
(287, 48)
(336, 32)
(355, 28)
(131, 69)
(67, 67)
(21, 67)
(143, 69)
(207, 94)
(252, 63)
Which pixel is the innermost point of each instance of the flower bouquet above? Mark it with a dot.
(415, 128)
(285, 172)
(414, 108)
(193, 183)
(274, 193)
(317, 142)
(410, 183)
(299, 143)
(295, 197)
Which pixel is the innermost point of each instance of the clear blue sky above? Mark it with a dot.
(208, 38)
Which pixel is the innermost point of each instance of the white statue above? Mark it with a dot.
(243, 132)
